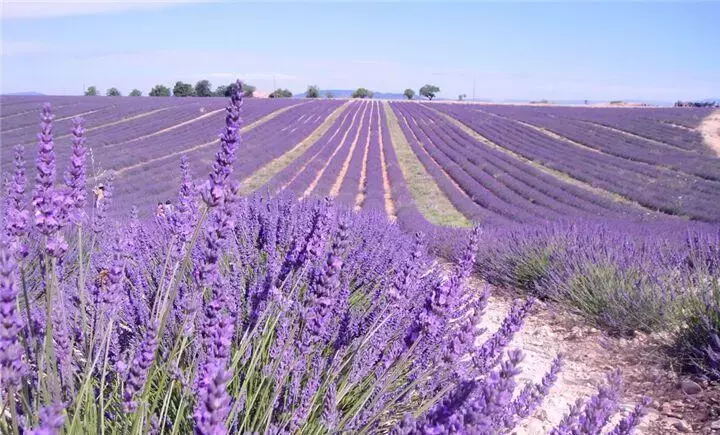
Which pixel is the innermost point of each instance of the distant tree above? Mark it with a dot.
(248, 90)
(183, 90)
(329, 94)
(409, 93)
(91, 91)
(312, 92)
(461, 97)
(159, 91)
(113, 92)
(221, 90)
(362, 93)
(429, 91)
(281, 93)
(135, 93)
(203, 88)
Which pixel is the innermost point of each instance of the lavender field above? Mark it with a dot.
(199, 265)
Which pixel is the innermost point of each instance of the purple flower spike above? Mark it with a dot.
(11, 365)
(76, 177)
(213, 404)
(51, 421)
(16, 216)
(138, 371)
(214, 189)
(45, 162)
(632, 420)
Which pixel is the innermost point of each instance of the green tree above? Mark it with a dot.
(409, 93)
(91, 91)
(312, 92)
(329, 94)
(429, 91)
(362, 93)
(135, 93)
(221, 90)
(281, 93)
(160, 91)
(462, 97)
(203, 88)
(183, 90)
(249, 90)
(113, 92)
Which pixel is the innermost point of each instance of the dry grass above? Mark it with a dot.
(260, 177)
(430, 200)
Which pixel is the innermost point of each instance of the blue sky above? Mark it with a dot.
(610, 50)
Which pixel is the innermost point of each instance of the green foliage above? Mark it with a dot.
(203, 88)
(135, 93)
(362, 93)
(248, 90)
(429, 91)
(183, 90)
(281, 93)
(160, 91)
(221, 91)
(91, 91)
(409, 93)
(312, 92)
(113, 92)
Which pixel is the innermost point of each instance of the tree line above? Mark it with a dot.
(203, 88)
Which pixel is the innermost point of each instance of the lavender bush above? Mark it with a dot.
(229, 314)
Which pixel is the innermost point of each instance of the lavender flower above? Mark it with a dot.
(213, 403)
(76, 177)
(214, 188)
(138, 370)
(11, 363)
(633, 419)
(45, 162)
(51, 421)
(16, 216)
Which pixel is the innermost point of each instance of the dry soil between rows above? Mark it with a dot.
(590, 354)
(710, 131)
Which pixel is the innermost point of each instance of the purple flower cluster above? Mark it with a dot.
(275, 315)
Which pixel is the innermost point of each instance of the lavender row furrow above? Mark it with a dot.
(443, 176)
(653, 188)
(331, 136)
(374, 189)
(533, 185)
(495, 194)
(335, 164)
(626, 146)
(303, 180)
(259, 146)
(350, 185)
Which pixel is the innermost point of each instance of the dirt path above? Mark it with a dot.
(710, 131)
(589, 355)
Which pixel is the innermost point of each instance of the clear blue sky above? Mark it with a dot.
(655, 51)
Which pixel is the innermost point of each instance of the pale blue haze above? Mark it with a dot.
(651, 51)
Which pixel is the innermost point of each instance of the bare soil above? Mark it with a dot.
(590, 354)
(710, 131)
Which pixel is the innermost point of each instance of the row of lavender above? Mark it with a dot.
(693, 163)
(624, 269)
(140, 139)
(346, 162)
(237, 315)
(490, 186)
(653, 187)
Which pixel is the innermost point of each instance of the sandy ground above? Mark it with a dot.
(589, 355)
(710, 131)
